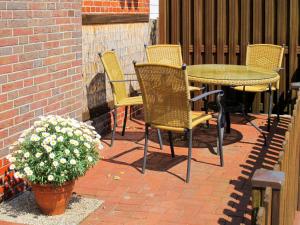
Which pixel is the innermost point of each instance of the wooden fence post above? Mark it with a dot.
(261, 180)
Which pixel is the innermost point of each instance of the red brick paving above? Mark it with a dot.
(215, 195)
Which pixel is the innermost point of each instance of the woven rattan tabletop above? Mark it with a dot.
(233, 75)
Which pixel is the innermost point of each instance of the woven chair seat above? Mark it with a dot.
(130, 101)
(254, 88)
(197, 118)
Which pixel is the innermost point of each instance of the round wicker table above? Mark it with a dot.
(232, 75)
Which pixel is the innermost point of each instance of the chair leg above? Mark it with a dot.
(171, 143)
(125, 119)
(277, 103)
(114, 128)
(159, 139)
(220, 142)
(190, 141)
(270, 109)
(145, 147)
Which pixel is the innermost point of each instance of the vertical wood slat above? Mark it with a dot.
(269, 38)
(245, 29)
(281, 37)
(221, 26)
(257, 28)
(198, 27)
(175, 24)
(208, 21)
(186, 30)
(163, 14)
(232, 31)
(293, 37)
(198, 40)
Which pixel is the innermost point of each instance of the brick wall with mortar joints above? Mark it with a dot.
(40, 63)
(116, 6)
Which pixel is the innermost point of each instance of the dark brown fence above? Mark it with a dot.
(218, 31)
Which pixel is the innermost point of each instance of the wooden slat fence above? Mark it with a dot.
(275, 194)
(218, 31)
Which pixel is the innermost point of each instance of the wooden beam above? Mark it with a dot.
(93, 19)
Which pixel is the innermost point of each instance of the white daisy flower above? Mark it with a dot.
(45, 134)
(12, 166)
(87, 145)
(74, 142)
(12, 159)
(78, 132)
(55, 163)
(70, 134)
(50, 177)
(57, 128)
(29, 173)
(67, 151)
(37, 123)
(62, 160)
(42, 163)
(27, 154)
(53, 143)
(17, 175)
(76, 151)
(35, 137)
(38, 155)
(72, 161)
(90, 158)
(26, 169)
(60, 139)
(52, 155)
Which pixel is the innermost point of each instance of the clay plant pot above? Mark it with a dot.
(52, 199)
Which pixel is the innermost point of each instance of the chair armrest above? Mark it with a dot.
(279, 69)
(204, 95)
(115, 81)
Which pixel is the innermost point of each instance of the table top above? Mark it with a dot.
(221, 74)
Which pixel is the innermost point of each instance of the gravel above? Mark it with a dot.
(23, 209)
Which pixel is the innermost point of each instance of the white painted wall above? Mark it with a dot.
(154, 9)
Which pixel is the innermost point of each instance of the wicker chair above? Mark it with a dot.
(168, 55)
(117, 80)
(167, 105)
(269, 57)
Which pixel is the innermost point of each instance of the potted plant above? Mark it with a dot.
(51, 155)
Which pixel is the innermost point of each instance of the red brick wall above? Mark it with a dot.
(115, 6)
(40, 63)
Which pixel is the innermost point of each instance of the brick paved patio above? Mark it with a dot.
(215, 195)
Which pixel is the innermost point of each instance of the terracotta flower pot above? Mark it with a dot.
(52, 199)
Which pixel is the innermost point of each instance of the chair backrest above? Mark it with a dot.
(114, 72)
(165, 95)
(266, 56)
(164, 54)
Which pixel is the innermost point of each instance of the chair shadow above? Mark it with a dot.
(202, 137)
(239, 207)
(156, 161)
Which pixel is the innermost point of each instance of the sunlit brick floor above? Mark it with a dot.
(215, 195)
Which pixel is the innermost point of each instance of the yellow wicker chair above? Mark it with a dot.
(168, 55)
(167, 105)
(117, 80)
(269, 57)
